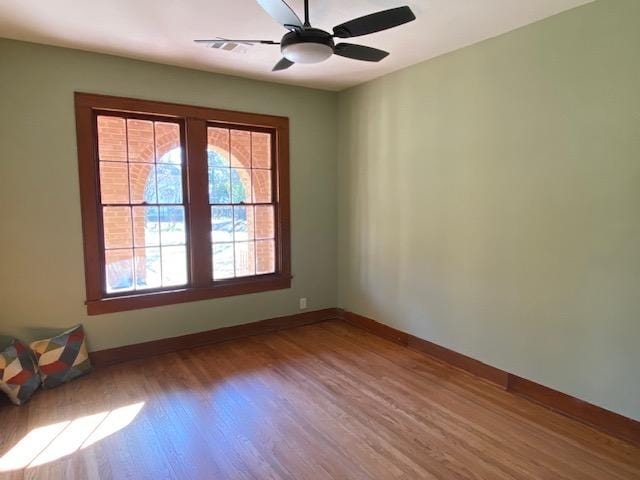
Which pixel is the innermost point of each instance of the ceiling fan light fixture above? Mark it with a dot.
(307, 52)
(308, 45)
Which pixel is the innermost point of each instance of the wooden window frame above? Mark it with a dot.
(194, 122)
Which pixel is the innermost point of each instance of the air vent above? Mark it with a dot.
(229, 46)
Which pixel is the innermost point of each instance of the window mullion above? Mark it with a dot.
(198, 202)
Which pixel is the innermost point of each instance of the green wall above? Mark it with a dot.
(489, 201)
(42, 270)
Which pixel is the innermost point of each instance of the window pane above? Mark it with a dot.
(169, 179)
(264, 221)
(142, 182)
(112, 139)
(114, 183)
(119, 270)
(117, 227)
(140, 141)
(174, 266)
(172, 226)
(245, 259)
(218, 147)
(146, 227)
(222, 224)
(148, 268)
(219, 185)
(261, 186)
(265, 257)
(168, 143)
(145, 245)
(261, 150)
(240, 185)
(223, 261)
(241, 148)
(243, 224)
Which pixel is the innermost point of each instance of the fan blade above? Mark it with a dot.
(359, 52)
(374, 22)
(282, 65)
(223, 40)
(281, 13)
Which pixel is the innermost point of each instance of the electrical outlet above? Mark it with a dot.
(303, 303)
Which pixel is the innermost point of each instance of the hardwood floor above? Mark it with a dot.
(322, 401)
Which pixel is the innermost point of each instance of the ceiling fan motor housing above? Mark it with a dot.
(308, 45)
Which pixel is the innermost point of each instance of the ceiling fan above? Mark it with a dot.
(305, 44)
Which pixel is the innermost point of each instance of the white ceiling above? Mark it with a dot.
(163, 30)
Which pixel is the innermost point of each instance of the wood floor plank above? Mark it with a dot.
(316, 417)
(323, 401)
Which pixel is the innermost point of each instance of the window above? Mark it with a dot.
(180, 203)
(142, 204)
(241, 199)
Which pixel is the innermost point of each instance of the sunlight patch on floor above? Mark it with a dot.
(30, 446)
(116, 420)
(49, 443)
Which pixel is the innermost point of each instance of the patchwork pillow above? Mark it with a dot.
(18, 372)
(62, 358)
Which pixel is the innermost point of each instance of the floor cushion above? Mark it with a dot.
(63, 357)
(19, 377)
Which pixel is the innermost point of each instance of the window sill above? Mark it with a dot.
(224, 288)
